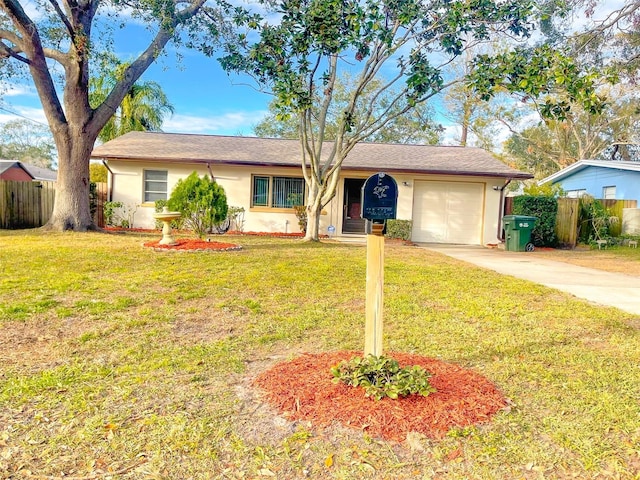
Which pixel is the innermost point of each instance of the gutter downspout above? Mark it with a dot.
(501, 209)
(112, 178)
(210, 172)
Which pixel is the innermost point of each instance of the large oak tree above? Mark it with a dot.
(55, 44)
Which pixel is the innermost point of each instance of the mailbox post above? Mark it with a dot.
(379, 203)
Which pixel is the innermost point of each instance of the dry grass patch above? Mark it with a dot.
(613, 259)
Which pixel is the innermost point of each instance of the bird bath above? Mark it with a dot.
(166, 217)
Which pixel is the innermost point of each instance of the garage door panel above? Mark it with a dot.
(448, 212)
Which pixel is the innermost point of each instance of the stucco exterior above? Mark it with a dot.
(452, 194)
(127, 186)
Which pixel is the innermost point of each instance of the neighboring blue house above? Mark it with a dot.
(602, 179)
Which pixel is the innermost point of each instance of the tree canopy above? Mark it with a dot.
(28, 142)
(59, 45)
(142, 109)
(405, 45)
(415, 126)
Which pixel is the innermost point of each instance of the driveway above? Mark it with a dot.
(604, 288)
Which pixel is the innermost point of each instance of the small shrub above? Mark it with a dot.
(236, 218)
(545, 209)
(382, 377)
(301, 215)
(201, 201)
(111, 218)
(399, 229)
(595, 220)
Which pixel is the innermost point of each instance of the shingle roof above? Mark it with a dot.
(37, 173)
(188, 148)
(7, 164)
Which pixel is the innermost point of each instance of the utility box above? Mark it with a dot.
(517, 232)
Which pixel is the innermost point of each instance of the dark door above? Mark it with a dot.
(352, 221)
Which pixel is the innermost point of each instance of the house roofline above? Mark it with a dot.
(200, 161)
(581, 164)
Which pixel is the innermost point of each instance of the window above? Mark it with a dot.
(576, 193)
(609, 192)
(277, 192)
(155, 185)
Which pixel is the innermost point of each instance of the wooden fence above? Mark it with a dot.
(30, 204)
(567, 227)
(568, 216)
(25, 204)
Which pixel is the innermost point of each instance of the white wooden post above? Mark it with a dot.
(375, 288)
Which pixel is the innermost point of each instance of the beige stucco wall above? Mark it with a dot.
(127, 186)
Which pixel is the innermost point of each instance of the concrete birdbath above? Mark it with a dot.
(166, 217)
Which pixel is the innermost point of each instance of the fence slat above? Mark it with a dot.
(567, 222)
(25, 204)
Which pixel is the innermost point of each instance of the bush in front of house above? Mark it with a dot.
(201, 201)
(399, 229)
(545, 209)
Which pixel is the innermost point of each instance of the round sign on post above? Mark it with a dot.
(379, 203)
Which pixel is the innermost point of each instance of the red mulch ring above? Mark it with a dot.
(303, 390)
(193, 245)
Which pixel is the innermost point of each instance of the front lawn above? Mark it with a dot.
(117, 361)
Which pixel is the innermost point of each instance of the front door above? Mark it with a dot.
(352, 221)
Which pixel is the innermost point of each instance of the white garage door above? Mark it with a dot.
(448, 212)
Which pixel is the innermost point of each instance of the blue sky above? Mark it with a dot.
(203, 95)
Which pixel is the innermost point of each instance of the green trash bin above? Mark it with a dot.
(517, 232)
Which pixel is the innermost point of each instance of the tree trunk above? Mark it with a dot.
(71, 209)
(314, 210)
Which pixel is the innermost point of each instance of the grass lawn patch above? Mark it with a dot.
(119, 361)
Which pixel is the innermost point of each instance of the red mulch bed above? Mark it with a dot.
(193, 245)
(303, 390)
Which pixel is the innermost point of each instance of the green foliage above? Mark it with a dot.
(538, 72)
(382, 377)
(202, 202)
(97, 173)
(399, 229)
(416, 126)
(300, 56)
(548, 189)
(142, 109)
(110, 218)
(594, 221)
(545, 209)
(236, 218)
(301, 215)
(117, 214)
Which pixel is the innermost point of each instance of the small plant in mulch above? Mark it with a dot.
(303, 389)
(382, 377)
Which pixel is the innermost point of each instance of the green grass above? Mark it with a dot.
(115, 358)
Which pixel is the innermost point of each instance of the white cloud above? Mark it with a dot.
(22, 113)
(230, 123)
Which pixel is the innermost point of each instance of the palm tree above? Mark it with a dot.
(142, 109)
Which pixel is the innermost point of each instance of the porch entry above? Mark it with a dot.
(352, 221)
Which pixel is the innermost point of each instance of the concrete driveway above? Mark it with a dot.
(604, 288)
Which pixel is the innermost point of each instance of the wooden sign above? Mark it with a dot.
(379, 197)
